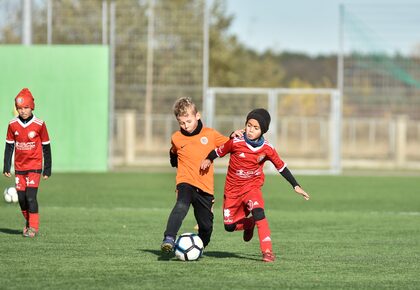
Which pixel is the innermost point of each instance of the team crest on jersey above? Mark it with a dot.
(204, 140)
(31, 134)
(261, 157)
(16, 133)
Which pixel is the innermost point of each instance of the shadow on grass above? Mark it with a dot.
(10, 231)
(222, 255)
(160, 256)
(215, 254)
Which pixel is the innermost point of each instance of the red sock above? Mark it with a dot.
(34, 220)
(244, 224)
(264, 235)
(26, 216)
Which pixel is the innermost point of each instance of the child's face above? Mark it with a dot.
(24, 113)
(189, 122)
(252, 129)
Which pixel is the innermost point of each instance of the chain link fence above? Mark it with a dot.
(158, 53)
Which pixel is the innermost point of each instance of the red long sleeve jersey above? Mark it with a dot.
(28, 139)
(245, 171)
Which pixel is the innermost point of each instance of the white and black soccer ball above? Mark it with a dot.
(10, 195)
(188, 247)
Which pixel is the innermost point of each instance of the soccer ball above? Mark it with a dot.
(10, 195)
(188, 247)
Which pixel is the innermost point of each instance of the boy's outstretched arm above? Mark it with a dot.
(291, 179)
(205, 164)
(300, 191)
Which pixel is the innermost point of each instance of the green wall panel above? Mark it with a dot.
(70, 87)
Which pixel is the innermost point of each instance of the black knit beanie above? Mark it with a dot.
(263, 118)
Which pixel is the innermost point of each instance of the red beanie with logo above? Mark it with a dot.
(25, 99)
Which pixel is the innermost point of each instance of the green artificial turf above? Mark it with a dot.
(103, 231)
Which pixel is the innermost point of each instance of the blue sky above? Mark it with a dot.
(312, 26)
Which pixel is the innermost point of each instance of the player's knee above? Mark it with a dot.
(258, 214)
(181, 207)
(230, 227)
(32, 205)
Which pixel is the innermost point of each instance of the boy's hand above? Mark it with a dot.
(7, 174)
(46, 177)
(237, 133)
(204, 167)
(205, 164)
(300, 191)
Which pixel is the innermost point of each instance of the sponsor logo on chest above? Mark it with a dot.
(25, 145)
(247, 173)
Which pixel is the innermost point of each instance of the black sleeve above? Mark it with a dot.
(8, 153)
(46, 150)
(173, 158)
(289, 177)
(212, 155)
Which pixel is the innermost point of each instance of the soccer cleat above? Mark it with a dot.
(168, 244)
(268, 257)
(31, 233)
(249, 233)
(25, 231)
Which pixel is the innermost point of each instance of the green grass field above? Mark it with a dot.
(104, 231)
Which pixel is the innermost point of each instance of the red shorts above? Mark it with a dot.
(237, 208)
(31, 179)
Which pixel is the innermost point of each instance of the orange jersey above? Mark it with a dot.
(191, 151)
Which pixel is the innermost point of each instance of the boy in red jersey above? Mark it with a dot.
(245, 179)
(189, 146)
(28, 137)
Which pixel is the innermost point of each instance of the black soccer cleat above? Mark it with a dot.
(168, 244)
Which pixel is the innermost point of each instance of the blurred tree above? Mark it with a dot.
(73, 22)
(231, 63)
(177, 46)
(222, 47)
(319, 71)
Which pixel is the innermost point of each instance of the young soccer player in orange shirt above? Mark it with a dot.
(190, 145)
(27, 137)
(245, 178)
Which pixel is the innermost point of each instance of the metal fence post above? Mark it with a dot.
(401, 141)
(27, 22)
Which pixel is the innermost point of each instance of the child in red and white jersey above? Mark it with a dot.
(27, 137)
(245, 178)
